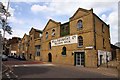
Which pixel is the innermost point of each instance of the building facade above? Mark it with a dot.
(33, 43)
(83, 41)
(13, 46)
(24, 46)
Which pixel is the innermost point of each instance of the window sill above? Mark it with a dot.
(64, 55)
(80, 29)
(80, 46)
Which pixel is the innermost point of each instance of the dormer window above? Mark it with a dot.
(53, 32)
(79, 25)
(46, 35)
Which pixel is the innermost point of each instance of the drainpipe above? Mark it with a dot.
(94, 33)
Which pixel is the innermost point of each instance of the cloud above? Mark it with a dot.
(112, 19)
(27, 1)
(14, 20)
(106, 9)
(38, 8)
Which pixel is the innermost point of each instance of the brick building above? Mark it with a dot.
(13, 45)
(83, 41)
(24, 46)
(34, 35)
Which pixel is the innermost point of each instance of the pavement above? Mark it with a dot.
(4, 68)
(101, 70)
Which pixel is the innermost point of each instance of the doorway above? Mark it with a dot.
(101, 56)
(49, 57)
(80, 59)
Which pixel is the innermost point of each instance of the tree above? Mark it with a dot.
(3, 20)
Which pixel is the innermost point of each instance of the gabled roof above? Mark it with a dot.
(24, 36)
(81, 9)
(50, 20)
(35, 30)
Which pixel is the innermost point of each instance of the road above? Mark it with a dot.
(22, 70)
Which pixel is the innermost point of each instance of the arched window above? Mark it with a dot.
(46, 35)
(64, 50)
(53, 32)
(79, 25)
(49, 45)
(80, 41)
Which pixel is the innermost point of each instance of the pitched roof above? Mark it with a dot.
(35, 30)
(49, 21)
(81, 9)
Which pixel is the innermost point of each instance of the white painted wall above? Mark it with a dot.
(104, 58)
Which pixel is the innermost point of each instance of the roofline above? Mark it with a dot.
(52, 21)
(101, 20)
(85, 10)
(36, 30)
(115, 46)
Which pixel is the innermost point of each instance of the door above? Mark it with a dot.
(80, 59)
(101, 59)
(49, 57)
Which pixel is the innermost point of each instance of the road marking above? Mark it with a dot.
(14, 74)
(7, 74)
(30, 65)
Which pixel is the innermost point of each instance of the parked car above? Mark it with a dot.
(15, 56)
(10, 56)
(4, 57)
(20, 57)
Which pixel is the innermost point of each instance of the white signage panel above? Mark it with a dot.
(64, 40)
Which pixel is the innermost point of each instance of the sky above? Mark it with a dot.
(26, 14)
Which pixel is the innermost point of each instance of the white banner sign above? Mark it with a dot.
(64, 40)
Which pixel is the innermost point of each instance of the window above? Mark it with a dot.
(64, 50)
(49, 45)
(64, 29)
(79, 25)
(80, 41)
(53, 32)
(103, 43)
(46, 35)
(38, 54)
(103, 28)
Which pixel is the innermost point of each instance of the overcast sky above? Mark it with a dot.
(36, 13)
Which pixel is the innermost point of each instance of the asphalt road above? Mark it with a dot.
(36, 71)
